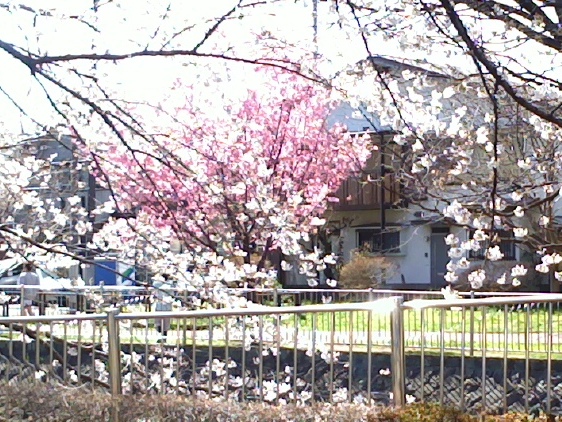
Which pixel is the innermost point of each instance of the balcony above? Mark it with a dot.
(364, 193)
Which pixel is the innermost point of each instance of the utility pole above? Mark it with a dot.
(382, 190)
(315, 26)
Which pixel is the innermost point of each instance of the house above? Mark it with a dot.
(381, 213)
(378, 213)
(373, 213)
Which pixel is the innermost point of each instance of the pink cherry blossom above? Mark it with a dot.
(253, 178)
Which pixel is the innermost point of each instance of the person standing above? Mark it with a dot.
(29, 278)
(164, 299)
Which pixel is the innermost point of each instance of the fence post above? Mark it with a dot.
(114, 352)
(276, 301)
(397, 358)
(471, 326)
(102, 284)
(22, 300)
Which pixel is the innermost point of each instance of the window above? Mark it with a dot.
(507, 246)
(373, 240)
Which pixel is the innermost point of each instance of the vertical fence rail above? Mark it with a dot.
(22, 301)
(463, 357)
(549, 361)
(483, 342)
(422, 353)
(114, 350)
(397, 357)
(471, 327)
(442, 346)
(505, 352)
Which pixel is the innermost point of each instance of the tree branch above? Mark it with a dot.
(479, 55)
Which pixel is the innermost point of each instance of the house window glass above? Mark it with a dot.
(507, 247)
(375, 241)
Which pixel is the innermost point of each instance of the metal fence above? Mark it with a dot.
(525, 321)
(486, 374)
(355, 352)
(73, 299)
(258, 353)
(281, 297)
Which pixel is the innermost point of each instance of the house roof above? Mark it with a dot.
(389, 65)
(357, 120)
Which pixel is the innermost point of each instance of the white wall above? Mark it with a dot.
(414, 260)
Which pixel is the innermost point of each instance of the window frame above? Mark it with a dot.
(506, 238)
(392, 233)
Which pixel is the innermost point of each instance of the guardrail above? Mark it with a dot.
(280, 297)
(256, 353)
(302, 354)
(501, 380)
(76, 298)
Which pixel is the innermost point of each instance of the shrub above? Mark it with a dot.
(432, 412)
(40, 402)
(52, 402)
(421, 412)
(365, 271)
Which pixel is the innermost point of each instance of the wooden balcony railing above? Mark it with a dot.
(364, 193)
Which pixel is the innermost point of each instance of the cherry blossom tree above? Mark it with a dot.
(482, 114)
(245, 183)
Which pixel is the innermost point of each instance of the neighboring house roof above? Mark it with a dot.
(51, 147)
(390, 65)
(360, 119)
(356, 119)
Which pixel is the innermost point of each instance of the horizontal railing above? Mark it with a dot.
(122, 288)
(269, 291)
(75, 297)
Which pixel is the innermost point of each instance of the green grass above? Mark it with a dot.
(527, 331)
(430, 320)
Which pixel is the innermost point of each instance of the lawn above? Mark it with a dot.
(435, 320)
(496, 330)
(472, 329)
